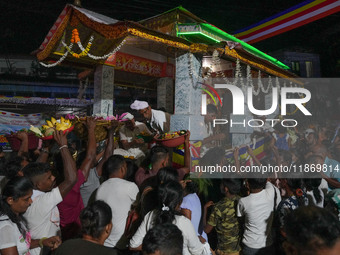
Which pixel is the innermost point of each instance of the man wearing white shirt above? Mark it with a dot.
(43, 216)
(119, 194)
(159, 121)
(258, 212)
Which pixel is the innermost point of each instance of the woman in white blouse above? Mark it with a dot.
(15, 239)
(169, 199)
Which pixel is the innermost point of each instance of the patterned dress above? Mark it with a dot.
(288, 205)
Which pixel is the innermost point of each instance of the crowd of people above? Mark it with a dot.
(69, 200)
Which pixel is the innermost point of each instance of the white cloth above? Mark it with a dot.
(257, 208)
(193, 203)
(88, 187)
(324, 186)
(10, 236)
(158, 119)
(119, 194)
(43, 215)
(139, 105)
(136, 153)
(127, 116)
(126, 134)
(191, 243)
(312, 200)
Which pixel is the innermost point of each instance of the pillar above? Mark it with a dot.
(165, 94)
(103, 90)
(188, 98)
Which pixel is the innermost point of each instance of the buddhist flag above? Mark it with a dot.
(289, 19)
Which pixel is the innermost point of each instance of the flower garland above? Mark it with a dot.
(60, 59)
(75, 39)
(216, 61)
(84, 51)
(277, 84)
(238, 74)
(265, 91)
(256, 92)
(108, 54)
(155, 38)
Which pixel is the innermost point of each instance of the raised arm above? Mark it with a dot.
(91, 147)
(237, 162)
(251, 153)
(109, 147)
(22, 135)
(276, 155)
(187, 156)
(45, 150)
(207, 228)
(70, 170)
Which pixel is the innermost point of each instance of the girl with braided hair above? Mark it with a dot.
(170, 197)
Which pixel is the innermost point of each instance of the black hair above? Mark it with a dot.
(213, 157)
(257, 183)
(158, 153)
(35, 169)
(191, 187)
(310, 225)
(279, 128)
(13, 166)
(170, 195)
(313, 184)
(165, 238)
(94, 218)
(211, 108)
(131, 169)
(234, 185)
(295, 184)
(167, 174)
(112, 165)
(17, 187)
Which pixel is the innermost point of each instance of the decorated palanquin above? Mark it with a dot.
(85, 39)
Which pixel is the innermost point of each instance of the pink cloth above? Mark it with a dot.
(141, 175)
(72, 204)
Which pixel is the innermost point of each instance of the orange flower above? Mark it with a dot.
(299, 192)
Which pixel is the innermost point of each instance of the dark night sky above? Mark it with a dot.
(24, 23)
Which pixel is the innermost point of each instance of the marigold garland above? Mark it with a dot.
(76, 39)
(144, 35)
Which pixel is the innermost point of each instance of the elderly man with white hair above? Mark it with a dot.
(131, 144)
(159, 121)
